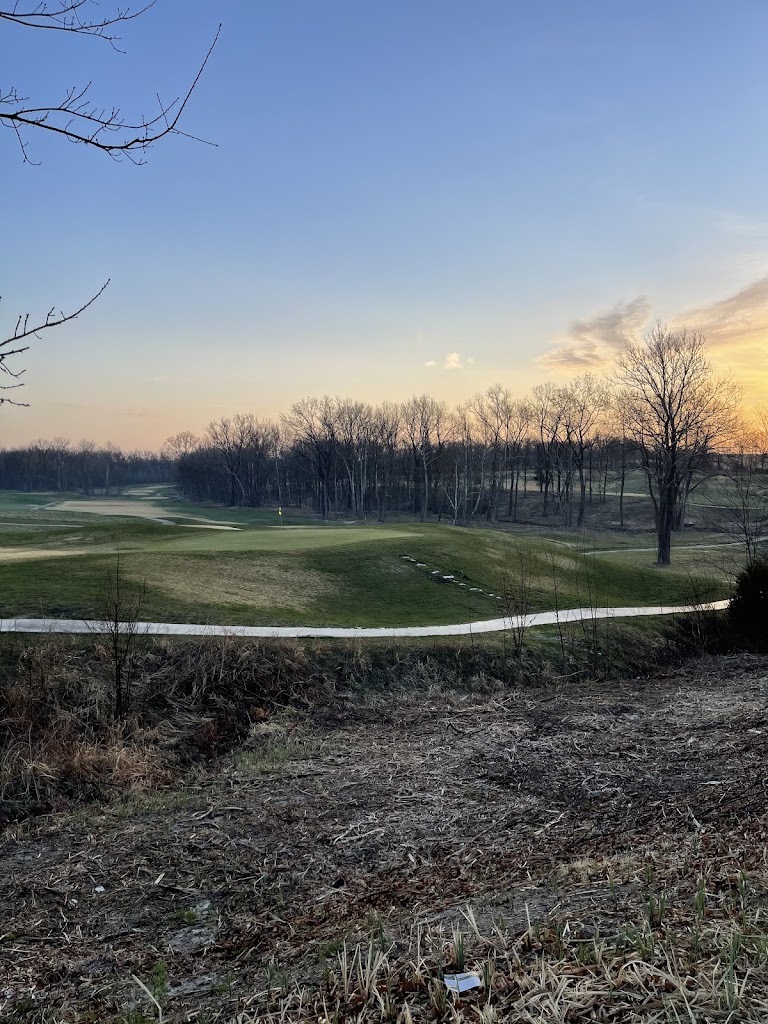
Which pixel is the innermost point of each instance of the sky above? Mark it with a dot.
(400, 196)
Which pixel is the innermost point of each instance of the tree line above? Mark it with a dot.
(339, 456)
(86, 468)
(663, 412)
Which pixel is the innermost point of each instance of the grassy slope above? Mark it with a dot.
(323, 574)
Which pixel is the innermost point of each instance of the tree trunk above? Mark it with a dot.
(583, 492)
(666, 523)
(623, 481)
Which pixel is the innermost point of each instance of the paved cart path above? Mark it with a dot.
(458, 629)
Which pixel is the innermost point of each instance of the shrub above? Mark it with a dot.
(748, 611)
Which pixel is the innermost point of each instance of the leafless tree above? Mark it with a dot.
(678, 410)
(742, 493)
(493, 411)
(518, 427)
(583, 405)
(121, 606)
(230, 437)
(181, 444)
(426, 425)
(312, 424)
(617, 412)
(354, 427)
(385, 431)
(547, 415)
(466, 483)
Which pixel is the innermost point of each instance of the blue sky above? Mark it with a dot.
(506, 190)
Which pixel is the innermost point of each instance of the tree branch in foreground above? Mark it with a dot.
(81, 121)
(14, 344)
(72, 16)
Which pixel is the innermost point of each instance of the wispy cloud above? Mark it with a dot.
(738, 318)
(736, 329)
(451, 361)
(591, 343)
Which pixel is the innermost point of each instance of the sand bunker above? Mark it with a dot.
(205, 526)
(27, 554)
(114, 508)
(143, 510)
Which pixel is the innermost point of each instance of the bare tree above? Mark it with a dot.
(312, 424)
(517, 428)
(385, 431)
(618, 406)
(230, 437)
(743, 493)
(585, 401)
(678, 410)
(493, 410)
(122, 602)
(426, 426)
(354, 428)
(460, 489)
(547, 415)
(181, 444)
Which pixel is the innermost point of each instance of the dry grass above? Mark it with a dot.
(43, 775)
(58, 743)
(594, 852)
(261, 582)
(700, 963)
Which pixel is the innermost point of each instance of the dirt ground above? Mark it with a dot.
(396, 812)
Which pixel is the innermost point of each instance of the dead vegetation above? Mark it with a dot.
(260, 582)
(591, 850)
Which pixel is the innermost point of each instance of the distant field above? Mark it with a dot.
(54, 553)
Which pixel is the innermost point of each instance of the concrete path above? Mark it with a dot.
(459, 629)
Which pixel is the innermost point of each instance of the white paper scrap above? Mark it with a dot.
(462, 982)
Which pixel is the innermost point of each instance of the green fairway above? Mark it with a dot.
(53, 562)
(275, 538)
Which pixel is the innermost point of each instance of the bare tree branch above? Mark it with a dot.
(76, 118)
(71, 16)
(24, 330)
(80, 121)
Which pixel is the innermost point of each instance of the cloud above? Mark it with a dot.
(736, 329)
(739, 318)
(451, 361)
(593, 342)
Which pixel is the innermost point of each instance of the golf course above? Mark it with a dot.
(251, 567)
